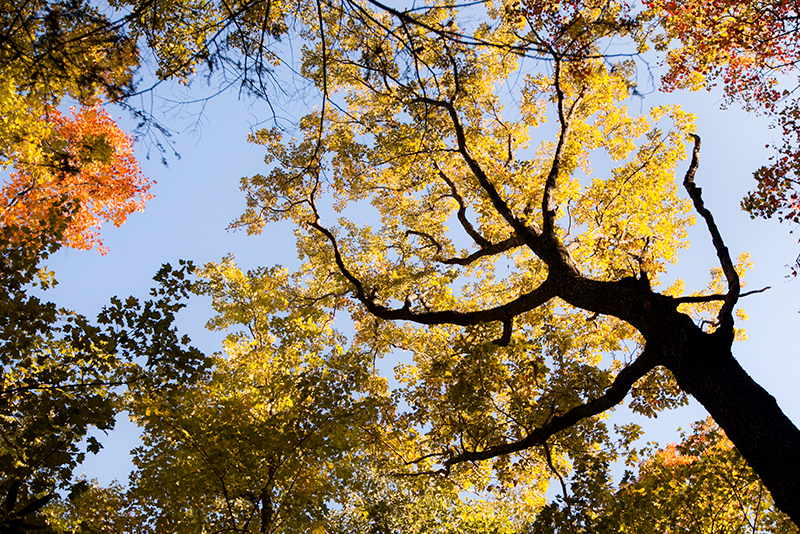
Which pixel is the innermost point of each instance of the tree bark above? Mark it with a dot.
(751, 418)
(704, 367)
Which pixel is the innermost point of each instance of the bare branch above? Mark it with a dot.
(725, 317)
(462, 211)
(712, 298)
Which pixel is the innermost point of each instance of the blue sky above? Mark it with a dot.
(197, 196)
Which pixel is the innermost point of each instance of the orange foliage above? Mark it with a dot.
(85, 162)
(743, 43)
(670, 456)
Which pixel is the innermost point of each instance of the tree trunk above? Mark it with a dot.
(705, 368)
(750, 417)
(267, 512)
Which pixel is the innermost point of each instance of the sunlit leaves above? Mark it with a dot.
(745, 45)
(699, 485)
(266, 440)
(405, 163)
(84, 159)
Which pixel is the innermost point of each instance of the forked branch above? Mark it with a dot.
(462, 210)
(523, 303)
(487, 248)
(528, 234)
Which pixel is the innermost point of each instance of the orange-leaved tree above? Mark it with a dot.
(84, 160)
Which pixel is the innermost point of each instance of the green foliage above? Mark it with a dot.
(63, 375)
(46, 365)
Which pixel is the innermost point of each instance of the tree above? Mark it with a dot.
(52, 51)
(699, 485)
(269, 434)
(518, 330)
(86, 160)
(62, 373)
(507, 334)
(287, 434)
(290, 435)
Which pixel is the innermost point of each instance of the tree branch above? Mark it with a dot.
(613, 396)
(490, 250)
(487, 247)
(521, 304)
(712, 298)
(505, 337)
(462, 210)
(551, 184)
(725, 317)
(531, 236)
(427, 237)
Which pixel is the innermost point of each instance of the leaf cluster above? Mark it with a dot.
(63, 374)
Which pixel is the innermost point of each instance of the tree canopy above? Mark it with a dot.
(54, 51)
(474, 198)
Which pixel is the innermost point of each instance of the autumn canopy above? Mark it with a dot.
(473, 198)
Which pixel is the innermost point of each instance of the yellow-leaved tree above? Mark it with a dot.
(503, 242)
(464, 231)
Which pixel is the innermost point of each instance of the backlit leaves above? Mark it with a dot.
(751, 49)
(497, 245)
(84, 159)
